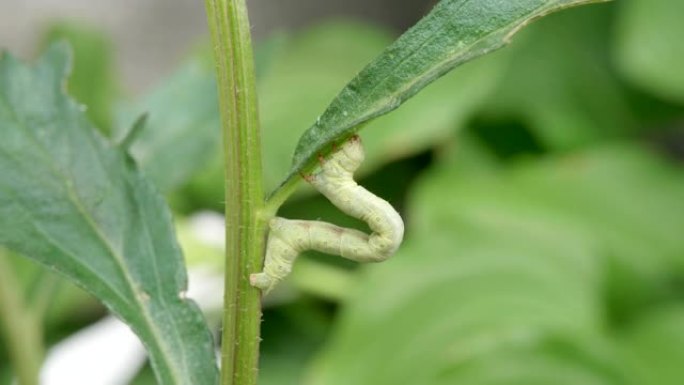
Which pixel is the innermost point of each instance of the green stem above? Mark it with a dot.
(245, 224)
(21, 329)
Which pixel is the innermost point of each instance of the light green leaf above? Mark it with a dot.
(182, 130)
(73, 202)
(455, 32)
(649, 50)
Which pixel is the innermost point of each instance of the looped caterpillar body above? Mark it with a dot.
(288, 238)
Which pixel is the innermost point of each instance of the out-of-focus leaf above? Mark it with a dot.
(451, 299)
(74, 203)
(292, 334)
(623, 197)
(181, 138)
(502, 278)
(560, 82)
(649, 50)
(454, 32)
(182, 131)
(587, 361)
(92, 81)
(655, 347)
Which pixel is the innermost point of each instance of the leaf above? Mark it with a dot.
(648, 47)
(503, 278)
(654, 346)
(621, 197)
(297, 76)
(450, 301)
(182, 131)
(561, 84)
(291, 337)
(316, 63)
(455, 32)
(183, 123)
(73, 202)
(92, 81)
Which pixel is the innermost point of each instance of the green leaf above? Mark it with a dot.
(621, 197)
(183, 124)
(182, 130)
(92, 81)
(450, 301)
(73, 202)
(514, 277)
(316, 63)
(561, 84)
(654, 345)
(455, 32)
(299, 74)
(648, 44)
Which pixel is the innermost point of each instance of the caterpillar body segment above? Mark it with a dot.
(289, 238)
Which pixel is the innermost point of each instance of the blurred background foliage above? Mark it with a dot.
(542, 187)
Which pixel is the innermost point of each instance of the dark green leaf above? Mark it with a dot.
(315, 64)
(455, 32)
(77, 204)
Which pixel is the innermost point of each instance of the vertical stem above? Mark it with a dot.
(21, 330)
(233, 55)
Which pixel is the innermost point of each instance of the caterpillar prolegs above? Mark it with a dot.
(288, 238)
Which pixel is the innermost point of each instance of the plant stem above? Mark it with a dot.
(245, 226)
(21, 329)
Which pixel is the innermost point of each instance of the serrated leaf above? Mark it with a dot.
(454, 32)
(93, 59)
(73, 202)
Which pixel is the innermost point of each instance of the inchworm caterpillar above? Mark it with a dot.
(288, 238)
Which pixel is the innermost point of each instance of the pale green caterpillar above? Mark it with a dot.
(288, 238)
